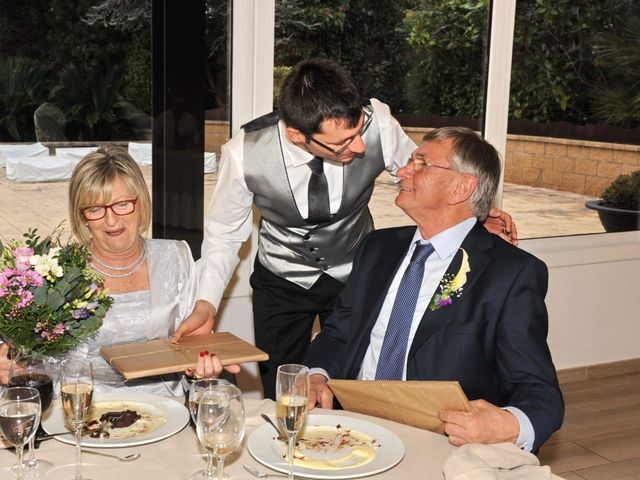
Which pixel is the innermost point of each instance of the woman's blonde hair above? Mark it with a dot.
(92, 183)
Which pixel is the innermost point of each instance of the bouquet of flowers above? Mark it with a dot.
(50, 301)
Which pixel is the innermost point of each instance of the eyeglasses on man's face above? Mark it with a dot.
(120, 208)
(419, 163)
(368, 116)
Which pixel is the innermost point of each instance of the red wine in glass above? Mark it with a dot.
(40, 381)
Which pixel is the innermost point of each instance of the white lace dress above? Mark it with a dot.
(145, 315)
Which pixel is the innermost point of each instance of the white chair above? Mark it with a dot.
(141, 153)
(22, 150)
(210, 162)
(40, 169)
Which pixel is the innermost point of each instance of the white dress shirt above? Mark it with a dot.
(445, 245)
(229, 220)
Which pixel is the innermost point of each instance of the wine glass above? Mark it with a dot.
(292, 399)
(196, 388)
(36, 372)
(76, 387)
(220, 425)
(19, 418)
(193, 396)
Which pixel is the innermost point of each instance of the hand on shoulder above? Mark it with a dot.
(500, 223)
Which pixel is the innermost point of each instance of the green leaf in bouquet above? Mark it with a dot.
(63, 286)
(91, 323)
(72, 274)
(40, 295)
(72, 326)
(55, 299)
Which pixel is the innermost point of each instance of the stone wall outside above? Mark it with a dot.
(559, 164)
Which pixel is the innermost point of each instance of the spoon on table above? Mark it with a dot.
(267, 419)
(127, 458)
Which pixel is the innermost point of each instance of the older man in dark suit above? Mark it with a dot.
(448, 301)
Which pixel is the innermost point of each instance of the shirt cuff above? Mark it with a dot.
(527, 435)
(321, 371)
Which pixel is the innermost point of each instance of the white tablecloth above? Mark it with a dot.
(179, 456)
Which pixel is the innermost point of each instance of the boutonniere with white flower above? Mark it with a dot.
(451, 286)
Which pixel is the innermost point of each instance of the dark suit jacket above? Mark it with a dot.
(492, 339)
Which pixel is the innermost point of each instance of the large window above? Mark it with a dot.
(72, 75)
(425, 59)
(574, 111)
(573, 115)
(76, 74)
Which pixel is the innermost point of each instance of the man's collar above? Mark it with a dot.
(447, 242)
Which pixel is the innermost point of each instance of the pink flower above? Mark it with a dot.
(22, 254)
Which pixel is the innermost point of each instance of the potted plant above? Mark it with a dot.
(619, 208)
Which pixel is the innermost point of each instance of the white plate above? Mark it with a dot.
(176, 413)
(264, 448)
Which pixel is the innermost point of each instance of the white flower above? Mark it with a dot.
(47, 264)
(461, 277)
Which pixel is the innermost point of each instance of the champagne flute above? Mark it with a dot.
(220, 425)
(36, 372)
(19, 418)
(292, 399)
(76, 386)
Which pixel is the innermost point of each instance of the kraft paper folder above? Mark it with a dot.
(414, 403)
(157, 357)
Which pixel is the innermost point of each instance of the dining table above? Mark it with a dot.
(180, 455)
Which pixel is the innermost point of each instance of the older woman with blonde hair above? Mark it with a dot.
(152, 281)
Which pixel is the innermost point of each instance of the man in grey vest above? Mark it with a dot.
(310, 169)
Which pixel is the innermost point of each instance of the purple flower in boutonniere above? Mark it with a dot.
(451, 285)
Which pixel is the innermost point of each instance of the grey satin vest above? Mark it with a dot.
(301, 258)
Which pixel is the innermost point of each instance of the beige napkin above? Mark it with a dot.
(500, 461)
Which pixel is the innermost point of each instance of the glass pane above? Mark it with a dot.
(574, 112)
(71, 74)
(425, 59)
(218, 95)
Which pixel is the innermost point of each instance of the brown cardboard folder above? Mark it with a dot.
(156, 357)
(414, 403)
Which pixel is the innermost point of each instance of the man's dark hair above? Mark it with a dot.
(318, 90)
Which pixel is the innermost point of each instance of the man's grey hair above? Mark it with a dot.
(473, 155)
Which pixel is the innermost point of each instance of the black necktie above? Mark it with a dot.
(319, 208)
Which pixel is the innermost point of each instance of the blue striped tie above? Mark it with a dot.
(394, 346)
